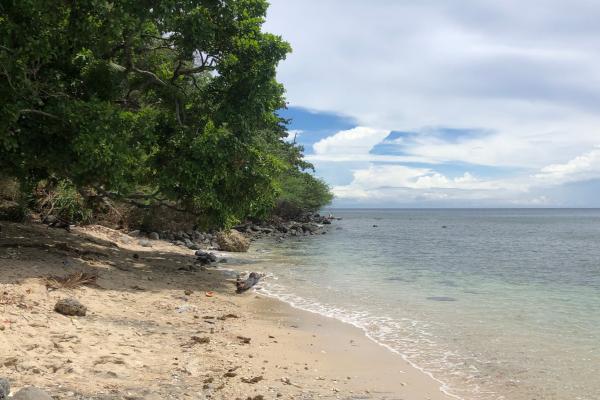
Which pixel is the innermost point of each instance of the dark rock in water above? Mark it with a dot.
(31, 393)
(375, 226)
(444, 226)
(441, 298)
(70, 307)
(4, 388)
(205, 257)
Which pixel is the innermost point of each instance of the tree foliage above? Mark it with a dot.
(176, 98)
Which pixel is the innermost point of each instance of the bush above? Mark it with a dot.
(301, 192)
(64, 201)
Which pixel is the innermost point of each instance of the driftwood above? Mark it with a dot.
(243, 285)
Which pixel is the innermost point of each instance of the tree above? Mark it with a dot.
(170, 100)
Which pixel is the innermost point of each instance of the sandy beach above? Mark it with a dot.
(156, 328)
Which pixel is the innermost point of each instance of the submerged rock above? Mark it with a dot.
(441, 298)
(70, 307)
(31, 393)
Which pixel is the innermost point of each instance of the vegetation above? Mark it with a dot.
(301, 192)
(170, 102)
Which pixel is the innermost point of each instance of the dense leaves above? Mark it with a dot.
(173, 98)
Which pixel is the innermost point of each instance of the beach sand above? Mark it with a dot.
(151, 331)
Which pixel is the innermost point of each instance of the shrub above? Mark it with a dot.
(64, 201)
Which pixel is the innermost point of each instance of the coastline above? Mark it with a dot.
(153, 332)
(340, 355)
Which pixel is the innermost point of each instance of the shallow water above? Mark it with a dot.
(497, 304)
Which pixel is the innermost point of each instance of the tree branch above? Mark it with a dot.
(38, 112)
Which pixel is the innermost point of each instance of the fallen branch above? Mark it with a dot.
(243, 285)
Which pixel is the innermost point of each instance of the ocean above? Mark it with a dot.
(494, 303)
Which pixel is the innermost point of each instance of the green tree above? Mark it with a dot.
(176, 97)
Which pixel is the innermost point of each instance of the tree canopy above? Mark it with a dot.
(174, 99)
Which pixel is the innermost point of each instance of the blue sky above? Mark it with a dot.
(468, 103)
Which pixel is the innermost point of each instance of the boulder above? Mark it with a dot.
(154, 236)
(31, 393)
(4, 388)
(135, 233)
(70, 307)
(232, 241)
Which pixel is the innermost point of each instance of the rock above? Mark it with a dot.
(145, 243)
(31, 393)
(50, 219)
(154, 236)
(193, 246)
(135, 233)
(232, 241)
(309, 228)
(4, 388)
(70, 307)
(204, 257)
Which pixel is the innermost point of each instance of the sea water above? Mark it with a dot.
(495, 304)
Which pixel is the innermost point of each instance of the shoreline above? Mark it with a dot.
(144, 338)
(346, 350)
(298, 309)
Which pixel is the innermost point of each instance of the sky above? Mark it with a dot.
(462, 103)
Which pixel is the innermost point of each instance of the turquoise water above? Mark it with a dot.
(496, 304)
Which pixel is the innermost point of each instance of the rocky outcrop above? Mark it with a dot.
(238, 239)
(232, 241)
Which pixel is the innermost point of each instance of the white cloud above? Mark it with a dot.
(527, 72)
(399, 184)
(585, 166)
(356, 141)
